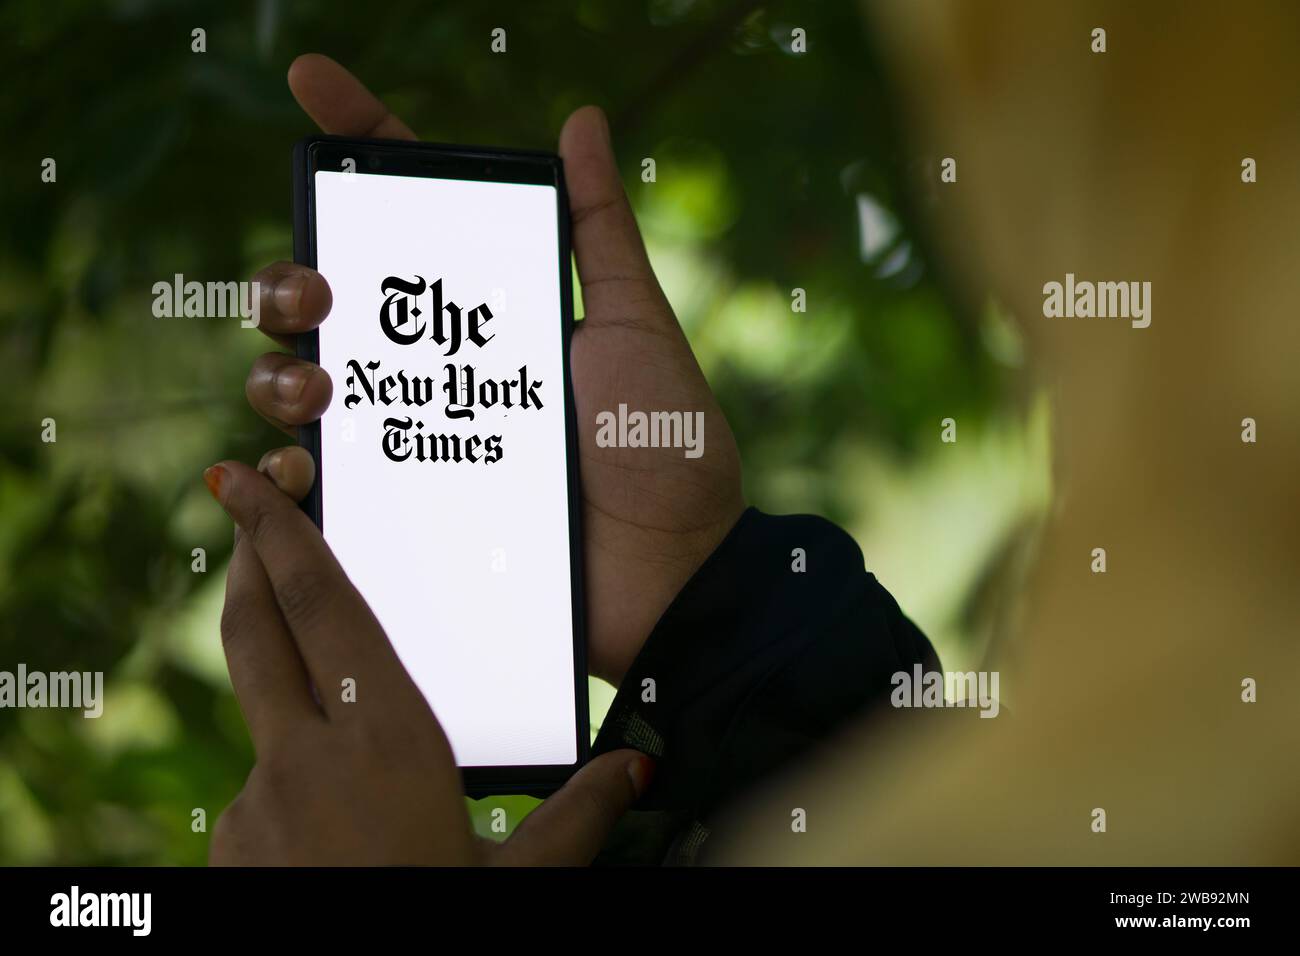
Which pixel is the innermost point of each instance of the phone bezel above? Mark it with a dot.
(481, 164)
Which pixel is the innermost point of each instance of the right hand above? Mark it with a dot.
(650, 515)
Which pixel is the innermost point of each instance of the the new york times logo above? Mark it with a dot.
(463, 387)
(75, 908)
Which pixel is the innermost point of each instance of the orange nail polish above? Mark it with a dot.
(215, 479)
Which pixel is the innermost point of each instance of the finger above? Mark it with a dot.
(292, 469)
(334, 630)
(612, 262)
(339, 103)
(571, 826)
(266, 670)
(292, 299)
(287, 391)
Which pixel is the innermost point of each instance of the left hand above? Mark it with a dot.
(372, 781)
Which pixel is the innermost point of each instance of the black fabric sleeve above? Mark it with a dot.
(753, 664)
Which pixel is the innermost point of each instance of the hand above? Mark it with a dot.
(650, 515)
(371, 781)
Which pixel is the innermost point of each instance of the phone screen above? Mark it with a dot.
(444, 462)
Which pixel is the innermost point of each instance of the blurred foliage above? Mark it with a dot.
(775, 171)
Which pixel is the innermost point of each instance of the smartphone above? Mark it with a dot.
(446, 464)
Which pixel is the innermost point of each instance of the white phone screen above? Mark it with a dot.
(444, 477)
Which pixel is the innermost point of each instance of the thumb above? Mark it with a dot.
(571, 826)
(612, 262)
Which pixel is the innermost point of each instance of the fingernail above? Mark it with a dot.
(289, 380)
(604, 125)
(642, 771)
(217, 479)
(288, 293)
(270, 464)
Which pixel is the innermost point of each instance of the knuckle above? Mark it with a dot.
(264, 519)
(302, 594)
(606, 204)
(275, 787)
(394, 739)
(274, 780)
(384, 741)
(230, 834)
(235, 616)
